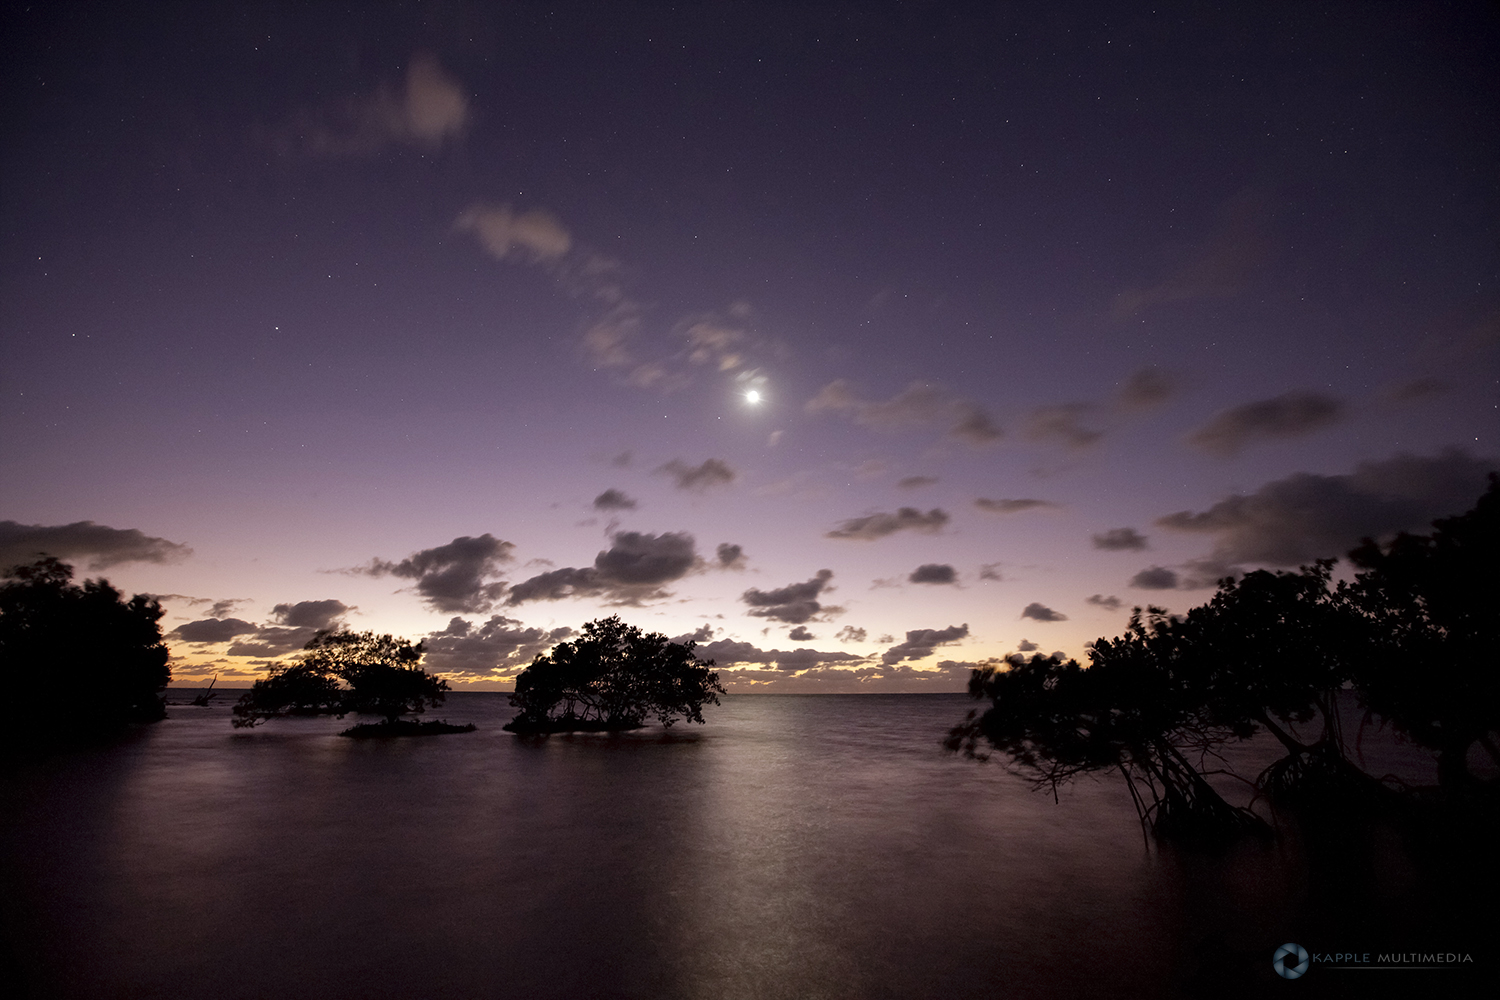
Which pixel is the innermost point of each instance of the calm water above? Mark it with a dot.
(795, 847)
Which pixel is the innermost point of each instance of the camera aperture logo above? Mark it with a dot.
(1290, 961)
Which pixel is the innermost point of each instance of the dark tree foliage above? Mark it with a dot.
(613, 677)
(1128, 712)
(1414, 636)
(1431, 609)
(85, 647)
(345, 672)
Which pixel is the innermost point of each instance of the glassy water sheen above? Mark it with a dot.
(796, 847)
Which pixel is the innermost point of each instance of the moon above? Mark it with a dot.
(752, 397)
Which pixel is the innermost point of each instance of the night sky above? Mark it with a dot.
(861, 343)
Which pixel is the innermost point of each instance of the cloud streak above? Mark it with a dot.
(427, 110)
(1305, 516)
(1290, 415)
(698, 478)
(919, 404)
(96, 545)
(873, 526)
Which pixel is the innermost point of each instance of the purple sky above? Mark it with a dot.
(443, 319)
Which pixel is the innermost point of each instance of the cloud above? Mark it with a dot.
(630, 571)
(313, 615)
(730, 556)
(851, 634)
(290, 628)
(718, 340)
(1292, 521)
(97, 545)
(933, 573)
(613, 500)
(427, 110)
(921, 642)
(1220, 266)
(873, 526)
(211, 630)
(703, 633)
(729, 653)
(990, 571)
(916, 482)
(1417, 389)
(500, 647)
(795, 603)
(1120, 540)
(1110, 603)
(1012, 506)
(713, 472)
(1155, 578)
(800, 634)
(1146, 389)
(919, 404)
(452, 577)
(533, 235)
(1027, 646)
(1061, 425)
(1289, 415)
(1042, 613)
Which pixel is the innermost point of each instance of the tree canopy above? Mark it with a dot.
(1413, 636)
(345, 672)
(614, 676)
(83, 646)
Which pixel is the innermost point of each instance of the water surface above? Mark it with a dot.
(798, 847)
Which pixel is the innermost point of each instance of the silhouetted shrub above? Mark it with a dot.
(84, 649)
(613, 677)
(345, 672)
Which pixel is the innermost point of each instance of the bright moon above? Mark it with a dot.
(752, 396)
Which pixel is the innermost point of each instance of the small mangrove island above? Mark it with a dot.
(347, 672)
(613, 678)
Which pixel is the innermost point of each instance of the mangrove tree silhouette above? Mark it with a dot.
(350, 672)
(81, 646)
(1413, 636)
(614, 676)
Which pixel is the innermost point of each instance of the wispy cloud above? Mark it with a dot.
(427, 109)
(1289, 415)
(919, 404)
(1220, 266)
(534, 234)
(698, 478)
(873, 526)
(1061, 424)
(1013, 506)
(1120, 540)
